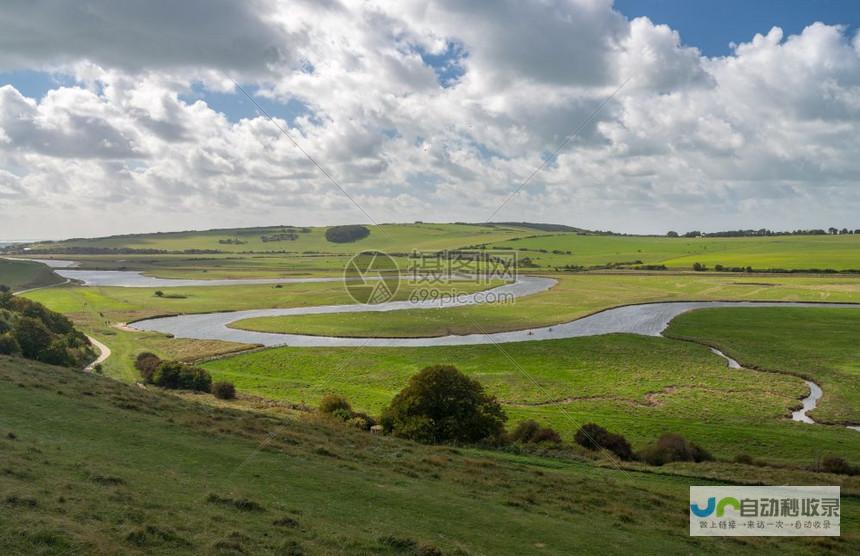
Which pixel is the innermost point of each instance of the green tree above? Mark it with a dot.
(441, 404)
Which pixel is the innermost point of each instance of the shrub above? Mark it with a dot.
(673, 447)
(159, 293)
(833, 464)
(530, 432)
(176, 375)
(146, 363)
(595, 437)
(744, 458)
(224, 390)
(32, 336)
(441, 404)
(332, 404)
(9, 345)
(346, 234)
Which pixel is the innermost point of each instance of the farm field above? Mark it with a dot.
(574, 296)
(761, 253)
(266, 481)
(818, 344)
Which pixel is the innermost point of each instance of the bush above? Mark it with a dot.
(179, 376)
(595, 437)
(441, 404)
(9, 345)
(32, 336)
(833, 464)
(673, 447)
(530, 432)
(146, 363)
(224, 390)
(346, 234)
(332, 404)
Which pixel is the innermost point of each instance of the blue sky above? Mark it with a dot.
(711, 25)
(415, 128)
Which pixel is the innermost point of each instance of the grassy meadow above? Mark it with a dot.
(818, 344)
(192, 478)
(640, 386)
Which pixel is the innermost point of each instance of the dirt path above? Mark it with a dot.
(104, 353)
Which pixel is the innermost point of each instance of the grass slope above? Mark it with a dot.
(575, 296)
(24, 275)
(402, 238)
(639, 386)
(819, 344)
(190, 478)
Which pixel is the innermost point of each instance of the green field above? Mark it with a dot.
(575, 295)
(818, 344)
(191, 478)
(640, 386)
(25, 275)
(396, 238)
(787, 252)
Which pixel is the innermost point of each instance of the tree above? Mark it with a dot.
(699, 267)
(441, 404)
(159, 293)
(672, 234)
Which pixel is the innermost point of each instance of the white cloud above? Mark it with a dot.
(767, 136)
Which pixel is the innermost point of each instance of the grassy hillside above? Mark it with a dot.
(819, 344)
(640, 386)
(24, 275)
(191, 478)
(387, 237)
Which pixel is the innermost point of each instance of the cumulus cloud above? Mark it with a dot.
(766, 136)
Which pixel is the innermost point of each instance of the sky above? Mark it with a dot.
(634, 116)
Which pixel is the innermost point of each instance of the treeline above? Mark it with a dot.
(699, 267)
(29, 329)
(764, 232)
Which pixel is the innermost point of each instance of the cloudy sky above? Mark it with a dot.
(126, 116)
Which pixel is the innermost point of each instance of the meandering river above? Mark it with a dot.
(649, 319)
